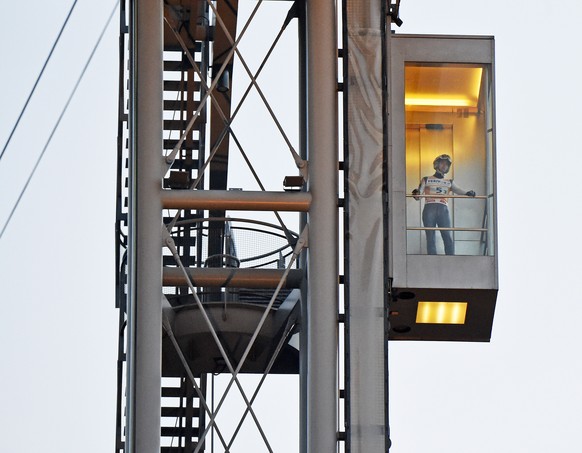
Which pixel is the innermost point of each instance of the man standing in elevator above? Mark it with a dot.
(435, 190)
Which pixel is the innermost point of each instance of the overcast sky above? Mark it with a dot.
(58, 326)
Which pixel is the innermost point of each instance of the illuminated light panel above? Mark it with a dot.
(440, 102)
(442, 86)
(441, 312)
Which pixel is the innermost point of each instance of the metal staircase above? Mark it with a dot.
(182, 417)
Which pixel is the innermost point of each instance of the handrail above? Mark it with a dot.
(477, 197)
(445, 229)
(238, 223)
(234, 219)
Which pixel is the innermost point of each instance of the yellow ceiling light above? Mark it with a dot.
(445, 86)
(441, 312)
(436, 101)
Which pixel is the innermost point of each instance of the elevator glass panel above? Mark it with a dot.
(448, 114)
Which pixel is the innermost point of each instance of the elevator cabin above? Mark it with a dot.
(442, 227)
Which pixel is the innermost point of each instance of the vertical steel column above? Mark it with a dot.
(145, 222)
(322, 301)
(303, 339)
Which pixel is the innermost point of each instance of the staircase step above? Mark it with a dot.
(176, 431)
(177, 65)
(173, 104)
(178, 125)
(195, 144)
(189, 166)
(174, 392)
(181, 241)
(173, 47)
(177, 449)
(179, 412)
(177, 85)
(185, 216)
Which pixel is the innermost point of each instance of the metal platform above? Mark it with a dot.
(235, 323)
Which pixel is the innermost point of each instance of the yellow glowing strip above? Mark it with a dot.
(441, 312)
(440, 102)
(477, 82)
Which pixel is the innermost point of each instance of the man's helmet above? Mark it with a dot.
(440, 158)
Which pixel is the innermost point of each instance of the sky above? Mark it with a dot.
(58, 324)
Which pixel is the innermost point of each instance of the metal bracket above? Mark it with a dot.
(393, 12)
(302, 165)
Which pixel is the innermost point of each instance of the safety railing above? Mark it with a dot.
(247, 245)
(484, 230)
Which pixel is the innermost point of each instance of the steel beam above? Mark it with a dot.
(236, 200)
(303, 340)
(322, 300)
(145, 222)
(233, 278)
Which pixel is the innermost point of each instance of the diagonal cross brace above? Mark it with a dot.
(167, 326)
(301, 164)
(288, 328)
(170, 158)
(169, 242)
(301, 243)
(227, 124)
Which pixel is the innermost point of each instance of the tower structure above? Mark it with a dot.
(193, 303)
(208, 287)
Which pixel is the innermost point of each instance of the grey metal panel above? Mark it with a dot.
(367, 368)
(445, 49)
(439, 271)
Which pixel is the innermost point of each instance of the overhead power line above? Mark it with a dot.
(60, 118)
(37, 80)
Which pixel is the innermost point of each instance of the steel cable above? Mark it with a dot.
(37, 80)
(59, 120)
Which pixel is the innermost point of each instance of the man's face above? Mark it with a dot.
(443, 166)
